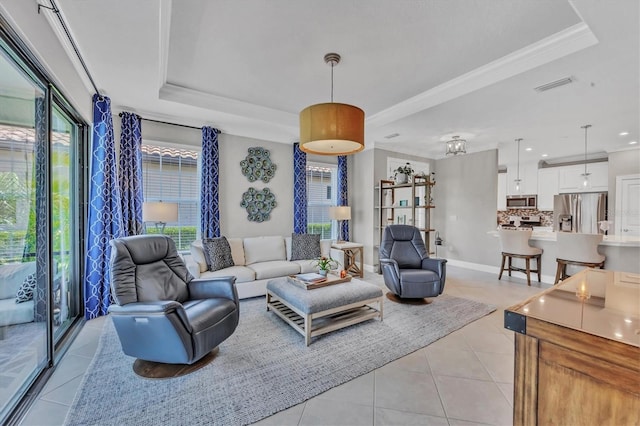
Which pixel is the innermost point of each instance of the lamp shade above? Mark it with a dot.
(340, 212)
(332, 129)
(159, 212)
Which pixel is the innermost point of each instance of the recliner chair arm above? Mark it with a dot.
(160, 307)
(214, 287)
(391, 272)
(434, 264)
(145, 308)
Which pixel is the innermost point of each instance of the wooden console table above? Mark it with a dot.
(577, 352)
(353, 257)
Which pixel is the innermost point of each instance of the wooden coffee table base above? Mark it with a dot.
(311, 325)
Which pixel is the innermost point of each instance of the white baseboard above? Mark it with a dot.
(547, 279)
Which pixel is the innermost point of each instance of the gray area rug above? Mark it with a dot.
(263, 368)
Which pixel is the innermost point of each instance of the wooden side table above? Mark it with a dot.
(353, 257)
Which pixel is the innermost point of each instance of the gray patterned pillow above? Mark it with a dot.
(25, 292)
(305, 246)
(217, 252)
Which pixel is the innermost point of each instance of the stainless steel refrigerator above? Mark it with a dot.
(579, 212)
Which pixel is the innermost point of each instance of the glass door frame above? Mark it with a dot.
(28, 63)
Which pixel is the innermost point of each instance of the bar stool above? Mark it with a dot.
(516, 244)
(577, 249)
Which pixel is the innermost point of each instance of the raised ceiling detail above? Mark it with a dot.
(259, 65)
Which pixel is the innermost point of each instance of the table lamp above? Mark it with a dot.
(340, 213)
(160, 213)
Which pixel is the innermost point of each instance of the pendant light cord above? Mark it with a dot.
(518, 140)
(585, 127)
(332, 64)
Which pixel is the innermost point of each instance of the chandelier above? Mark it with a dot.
(456, 146)
(332, 128)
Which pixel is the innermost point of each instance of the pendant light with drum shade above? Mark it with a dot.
(517, 180)
(586, 183)
(332, 128)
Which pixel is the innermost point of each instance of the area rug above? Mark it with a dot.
(263, 368)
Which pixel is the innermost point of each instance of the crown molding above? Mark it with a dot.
(556, 46)
(175, 93)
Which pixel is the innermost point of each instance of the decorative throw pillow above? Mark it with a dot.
(25, 292)
(305, 246)
(217, 252)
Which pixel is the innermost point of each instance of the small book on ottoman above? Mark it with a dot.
(311, 277)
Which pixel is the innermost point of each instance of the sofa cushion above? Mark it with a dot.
(15, 313)
(25, 292)
(237, 250)
(197, 254)
(306, 266)
(217, 252)
(305, 246)
(12, 275)
(243, 274)
(263, 249)
(274, 268)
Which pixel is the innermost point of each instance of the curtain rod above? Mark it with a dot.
(171, 124)
(55, 10)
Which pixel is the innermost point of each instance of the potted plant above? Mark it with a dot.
(325, 264)
(403, 173)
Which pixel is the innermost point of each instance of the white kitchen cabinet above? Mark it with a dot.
(528, 178)
(570, 178)
(547, 188)
(502, 191)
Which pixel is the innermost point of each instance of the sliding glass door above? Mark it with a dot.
(40, 223)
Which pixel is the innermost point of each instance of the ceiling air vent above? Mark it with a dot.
(392, 135)
(554, 84)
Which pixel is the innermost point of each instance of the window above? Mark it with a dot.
(321, 179)
(171, 175)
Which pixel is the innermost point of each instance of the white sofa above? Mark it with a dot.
(257, 260)
(11, 277)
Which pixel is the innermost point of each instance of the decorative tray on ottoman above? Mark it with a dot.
(313, 280)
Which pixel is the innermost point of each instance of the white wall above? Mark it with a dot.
(465, 207)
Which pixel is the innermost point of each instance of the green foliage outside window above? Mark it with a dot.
(182, 235)
(324, 229)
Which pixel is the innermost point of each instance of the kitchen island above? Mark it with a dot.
(577, 352)
(622, 253)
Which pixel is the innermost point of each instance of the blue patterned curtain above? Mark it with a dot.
(130, 173)
(343, 194)
(209, 202)
(299, 190)
(105, 218)
(36, 238)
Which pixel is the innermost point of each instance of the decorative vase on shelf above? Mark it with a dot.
(401, 178)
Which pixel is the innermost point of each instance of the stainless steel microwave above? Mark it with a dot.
(522, 201)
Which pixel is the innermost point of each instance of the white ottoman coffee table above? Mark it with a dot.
(322, 310)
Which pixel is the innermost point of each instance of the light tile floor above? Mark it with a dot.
(465, 378)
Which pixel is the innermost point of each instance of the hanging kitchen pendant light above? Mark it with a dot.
(586, 182)
(332, 128)
(517, 181)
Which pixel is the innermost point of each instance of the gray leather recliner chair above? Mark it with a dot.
(162, 314)
(407, 269)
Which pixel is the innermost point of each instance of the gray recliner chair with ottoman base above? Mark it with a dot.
(164, 317)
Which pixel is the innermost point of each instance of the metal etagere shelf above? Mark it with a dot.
(416, 210)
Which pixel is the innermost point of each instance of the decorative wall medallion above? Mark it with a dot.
(257, 165)
(259, 203)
